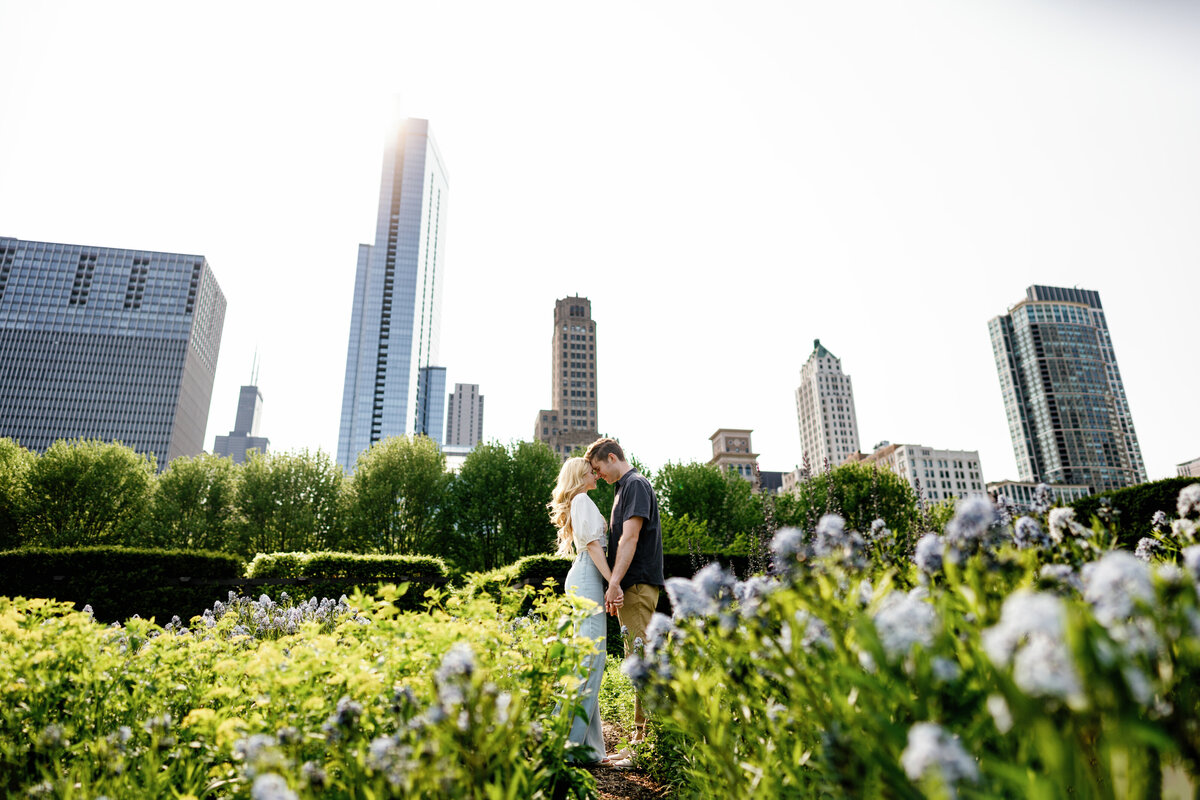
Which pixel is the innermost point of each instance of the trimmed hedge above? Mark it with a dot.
(1136, 505)
(327, 574)
(119, 582)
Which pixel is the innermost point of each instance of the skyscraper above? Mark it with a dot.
(104, 343)
(1066, 407)
(392, 385)
(825, 410)
(570, 421)
(244, 436)
(464, 421)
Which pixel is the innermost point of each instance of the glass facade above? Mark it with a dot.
(106, 343)
(1067, 412)
(395, 320)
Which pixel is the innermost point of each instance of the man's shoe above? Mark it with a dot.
(620, 755)
(623, 763)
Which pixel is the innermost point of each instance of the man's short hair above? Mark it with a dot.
(602, 448)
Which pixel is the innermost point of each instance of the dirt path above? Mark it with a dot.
(624, 784)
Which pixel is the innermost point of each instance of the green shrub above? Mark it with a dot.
(118, 582)
(1135, 506)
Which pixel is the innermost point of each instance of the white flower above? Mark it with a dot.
(1031, 637)
(972, 518)
(1191, 560)
(1062, 521)
(271, 787)
(1147, 548)
(928, 555)
(1115, 584)
(904, 620)
(1027, 533)
(688, 600)
(932, 750)
(787, 544)
(459, 661)
(816, 632)
(1189, 500)
(997, 706)
(945, 670)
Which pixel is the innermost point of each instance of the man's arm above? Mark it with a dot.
(625, 550)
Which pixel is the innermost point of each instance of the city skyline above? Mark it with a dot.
(937, 159)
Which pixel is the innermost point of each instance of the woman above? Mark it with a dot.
(581, 531)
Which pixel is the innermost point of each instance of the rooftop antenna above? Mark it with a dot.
(254, 368)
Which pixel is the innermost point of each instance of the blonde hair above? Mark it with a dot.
(572, 479)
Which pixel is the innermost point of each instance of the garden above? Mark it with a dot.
(847, 641)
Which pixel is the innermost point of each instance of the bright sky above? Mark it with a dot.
(726, 182)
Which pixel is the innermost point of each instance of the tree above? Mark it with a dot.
(395, 499)
(289, 501)
(15, 462)
(861, 493)
(499, 503)
(87, 492)
(721, 500)
(196, 505)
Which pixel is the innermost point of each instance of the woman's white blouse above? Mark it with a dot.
(587, 523)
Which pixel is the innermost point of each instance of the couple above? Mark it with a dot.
(632, 569)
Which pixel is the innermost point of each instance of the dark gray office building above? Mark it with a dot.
(244, 436)
(104, 343)
(1066, 406)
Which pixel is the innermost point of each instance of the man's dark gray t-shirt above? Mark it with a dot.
(635, 498)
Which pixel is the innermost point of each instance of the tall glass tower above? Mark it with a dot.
(1066, 406)
(392, 385)
(105, 343)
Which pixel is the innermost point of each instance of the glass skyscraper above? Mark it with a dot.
(103, 343)
(392, 385)
(1066, 406)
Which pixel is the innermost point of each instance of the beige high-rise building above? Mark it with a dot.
(464, 419)
(825, 410)
(570, 421)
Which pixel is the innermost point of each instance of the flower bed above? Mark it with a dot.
(1009, 658)
(281, 700)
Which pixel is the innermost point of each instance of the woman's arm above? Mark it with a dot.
(597, 554)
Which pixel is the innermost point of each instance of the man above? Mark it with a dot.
(634, 554)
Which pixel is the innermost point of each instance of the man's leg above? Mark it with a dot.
(640, 601)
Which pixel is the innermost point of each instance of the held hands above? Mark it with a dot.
(614, 598)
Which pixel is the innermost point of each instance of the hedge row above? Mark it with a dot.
(327, 574)
(119, 582)
(1135, 505)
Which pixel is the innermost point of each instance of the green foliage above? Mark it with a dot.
(195, 505)
(499, 504)
(86, 492)
(720, 500)
(861, 493)
(289, 501)
(1133, 506)
(15, 462)
(344, 565)
(361, 711)
(119, 582)
(685, 535)
(395, 498)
